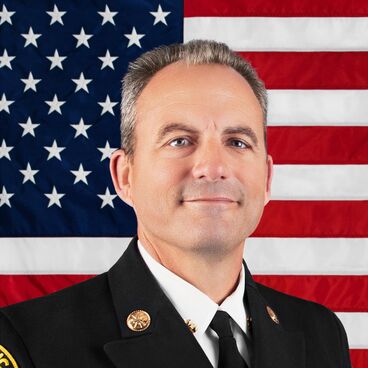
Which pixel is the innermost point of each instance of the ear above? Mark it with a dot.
(269, 179)
(120, 169)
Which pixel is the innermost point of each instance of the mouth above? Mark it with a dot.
(211, 199)
(214, 201)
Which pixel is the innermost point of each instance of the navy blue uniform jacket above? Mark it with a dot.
(84, 326)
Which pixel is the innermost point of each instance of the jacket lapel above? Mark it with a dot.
(272, 345)
(167, 342)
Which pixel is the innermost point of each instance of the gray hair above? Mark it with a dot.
(194, 52)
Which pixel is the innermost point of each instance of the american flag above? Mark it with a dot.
(61, 65)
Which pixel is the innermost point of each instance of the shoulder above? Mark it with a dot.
(59, 319)
(294, 311)
(319, 324)
(76, 299)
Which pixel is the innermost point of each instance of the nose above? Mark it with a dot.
(210, 161)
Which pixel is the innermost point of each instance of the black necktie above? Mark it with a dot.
(229, 356)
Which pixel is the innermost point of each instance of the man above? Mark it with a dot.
(194, 166)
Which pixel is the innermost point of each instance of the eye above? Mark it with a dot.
(181, 143)
(241, 145)
(181, 139)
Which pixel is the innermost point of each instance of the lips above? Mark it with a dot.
(210, 199)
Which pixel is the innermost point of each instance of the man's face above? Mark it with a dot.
(198, 185)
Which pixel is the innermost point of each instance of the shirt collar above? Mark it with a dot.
(192, 303)
(234, 303)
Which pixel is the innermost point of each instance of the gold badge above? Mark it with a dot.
(6, 359)
(272, 315)
(191, 325)
(138, 320)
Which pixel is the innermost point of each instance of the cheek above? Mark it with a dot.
(156, 185)
(168, 183)
(253, 178)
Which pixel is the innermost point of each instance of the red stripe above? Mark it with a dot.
(318, 145)
(314, 219)
(272, 8)
(17, 288)
(339, 293)
(311, 70)
(359, 358)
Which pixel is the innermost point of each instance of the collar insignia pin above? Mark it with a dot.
(249, 322)
(191, 325)
(138, 320)
(272, 315)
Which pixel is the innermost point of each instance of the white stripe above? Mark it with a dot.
(320, 182)
(281, 33)
(59, 255)
(318, 107)
(307, 256)
(356, 327)
(263, 255)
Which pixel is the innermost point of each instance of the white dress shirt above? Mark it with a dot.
(193, 304)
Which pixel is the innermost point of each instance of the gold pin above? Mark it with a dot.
(7, 359)
(249, 323)
(272, 315)
(138, 320)
(191, 325)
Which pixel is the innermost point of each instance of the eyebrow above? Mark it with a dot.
(172, 127)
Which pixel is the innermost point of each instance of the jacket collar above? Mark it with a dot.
(272, 344)
(168, 341)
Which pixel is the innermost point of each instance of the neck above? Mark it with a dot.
(217, 277)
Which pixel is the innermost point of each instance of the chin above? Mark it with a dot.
(216, 241)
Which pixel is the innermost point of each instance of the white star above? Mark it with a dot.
(29, 174)
(108, 60)
(5, 15)
(56, 60)
(4, 104)
(30, 82)
(81, 83)
(160, 16)
(107, 198)
(54, 197)
(28, 127)
(4, 150)
(80, 175)
(108, 16)
(82, 38)
(31, 38)
(6, 59)
(134, 38)
(4, 197)
(106, 151)
(56, 15)
(81, 128)
(107, 106)
(54, 151)
(55, 105)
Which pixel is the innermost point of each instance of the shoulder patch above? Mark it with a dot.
(6, 359)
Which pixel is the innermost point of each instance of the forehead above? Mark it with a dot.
(213, 91)
(180, 77)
